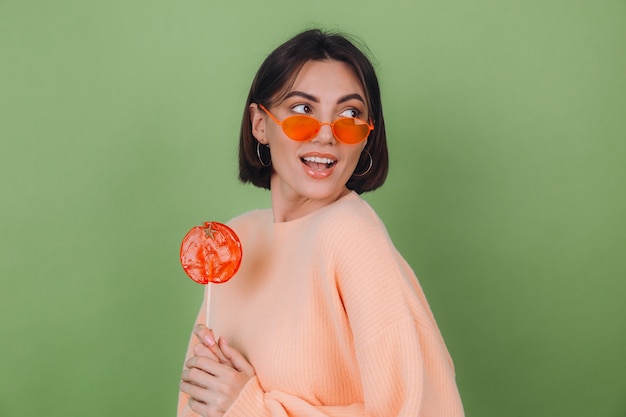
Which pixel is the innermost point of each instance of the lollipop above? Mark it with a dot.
(210, 253)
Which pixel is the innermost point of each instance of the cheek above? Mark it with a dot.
(276, 136)
(355, 156)
(282, 148)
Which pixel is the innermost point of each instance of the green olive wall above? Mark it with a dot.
(507, 131)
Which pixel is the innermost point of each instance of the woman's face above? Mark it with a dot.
(313, 173)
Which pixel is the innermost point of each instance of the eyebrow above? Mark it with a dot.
(314, 99)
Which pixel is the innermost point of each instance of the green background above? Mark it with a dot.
(506, 122)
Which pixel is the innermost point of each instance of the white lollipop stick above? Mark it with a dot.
(207, 296)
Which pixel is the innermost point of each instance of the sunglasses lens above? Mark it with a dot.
(301, 128)
(350, 131)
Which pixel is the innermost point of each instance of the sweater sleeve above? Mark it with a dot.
(254, 402)
(395, 384)
(392, 387)
(405, 367)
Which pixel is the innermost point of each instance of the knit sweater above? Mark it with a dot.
(332, 319)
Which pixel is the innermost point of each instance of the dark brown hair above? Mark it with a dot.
(272, 82)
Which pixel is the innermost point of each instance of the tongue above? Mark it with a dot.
(316, 166)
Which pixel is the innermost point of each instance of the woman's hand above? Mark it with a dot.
(215, 375)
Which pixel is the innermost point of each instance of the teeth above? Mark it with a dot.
(318, 160)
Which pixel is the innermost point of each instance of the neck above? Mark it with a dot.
(285, 209)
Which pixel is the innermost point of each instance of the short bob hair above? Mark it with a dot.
(272, 83)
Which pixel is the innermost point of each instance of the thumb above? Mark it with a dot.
(239, 362)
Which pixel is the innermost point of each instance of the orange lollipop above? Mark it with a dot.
(210, 253)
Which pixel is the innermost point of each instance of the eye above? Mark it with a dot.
(302, 109)
(352, 113)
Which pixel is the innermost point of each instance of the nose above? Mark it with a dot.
(325, 134)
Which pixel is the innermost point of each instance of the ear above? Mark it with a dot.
(257, 119)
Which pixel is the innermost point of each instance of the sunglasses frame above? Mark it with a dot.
(369, 124)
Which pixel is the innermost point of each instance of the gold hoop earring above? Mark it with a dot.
(258, 154)
(368, 167)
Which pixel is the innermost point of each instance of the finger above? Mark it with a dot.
(208, 389)
(208, 366)
(196, 392)
(204, 409)
(198, 406)
(202, 386)
(196, 377)
(217, 352)
(214, 353)
(219, 396)
(200, 349)
(204, 334)
(240, 363)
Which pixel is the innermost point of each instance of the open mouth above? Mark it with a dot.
(318, 163)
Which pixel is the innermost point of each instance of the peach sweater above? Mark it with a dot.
(333, 320)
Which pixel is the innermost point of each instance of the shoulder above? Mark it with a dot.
(357, 243)
(249, 222)
(352, 221)
(250, 217)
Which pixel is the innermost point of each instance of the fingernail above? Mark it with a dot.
(209, 339)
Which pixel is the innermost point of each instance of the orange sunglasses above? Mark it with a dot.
(302, 128)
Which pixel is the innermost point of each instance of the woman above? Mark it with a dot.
(324, 317)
